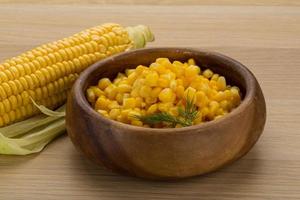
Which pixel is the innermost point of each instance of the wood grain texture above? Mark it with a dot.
(160, 2)
(264, 38)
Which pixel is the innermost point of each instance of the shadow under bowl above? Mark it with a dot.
(166, 153)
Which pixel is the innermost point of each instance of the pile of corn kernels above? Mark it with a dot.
(163, 87)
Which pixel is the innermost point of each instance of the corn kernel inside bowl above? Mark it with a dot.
(164, 94)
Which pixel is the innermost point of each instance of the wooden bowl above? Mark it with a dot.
(166, 153)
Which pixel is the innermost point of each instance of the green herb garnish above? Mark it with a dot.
(186, 116)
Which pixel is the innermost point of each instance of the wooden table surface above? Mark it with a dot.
(263, 36)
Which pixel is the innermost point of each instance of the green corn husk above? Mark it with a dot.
(32, 135)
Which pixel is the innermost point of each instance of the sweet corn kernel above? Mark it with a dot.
(114, 113)
(132, 114)
(215, 77)
(221, 83)
(166, 95)
(173, 85)
(155, 92)
(207, 73)
(129, 103)
(180, 91)
(138, 102)
(132, 77)
(191, 71)
(198, 119)
(103, 83)
(164, 107)
(137, 123)
(101, 103)
(91, 96)
(135, 92)
(190, 93)
(98, 92)
(152, 109)
(122, 88)
(151, 79)
(111, 91)
(174, 111)
(201, 99)
(162, 82)
(113, 104)
(103, 113)
(150, 100)
(119, 98)
(145, 91)
(129, 71)
(139, 69)
(191, 61)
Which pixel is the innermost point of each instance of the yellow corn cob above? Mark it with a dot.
(46, 73)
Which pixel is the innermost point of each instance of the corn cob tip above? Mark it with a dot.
(140, 35)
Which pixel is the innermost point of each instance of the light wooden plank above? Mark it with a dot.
(264, 38)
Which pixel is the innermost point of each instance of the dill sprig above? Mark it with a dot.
(186, 116)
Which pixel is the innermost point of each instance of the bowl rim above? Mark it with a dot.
(250, 88)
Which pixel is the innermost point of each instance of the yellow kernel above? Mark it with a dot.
(129, 103)
(190, 93)
(155, 92)
(169, 76)
(132, 114)
(201, 99)
(221, 83)
(132, 77)
(113, 104)
(98, 92)
(219, 111)
(204, 111)
(224, 104)
(207, 73)
(114, 113)
(162, 82)
(145, 91)
(111, 91)
(174, 111)
(191, 71)
(191, 61)
(91, 97)
(152, 109)
(119, 98)
(138, 102)
(134, 92)
(220, 96)
(129, 71)
(138, 83)
(139, 69)
(151, 79)
(173, 85)
(180, 91)
(101, 103)
(136, 123)
(178, 126)
(166, 95)
(198, 119)
(103, 113)
(218, 116)
(165, 107)
(104, 83)
(124, 88)
(162, 61)
(215, 77)
(150, 100)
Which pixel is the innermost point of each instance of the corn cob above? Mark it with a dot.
(46, 73)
